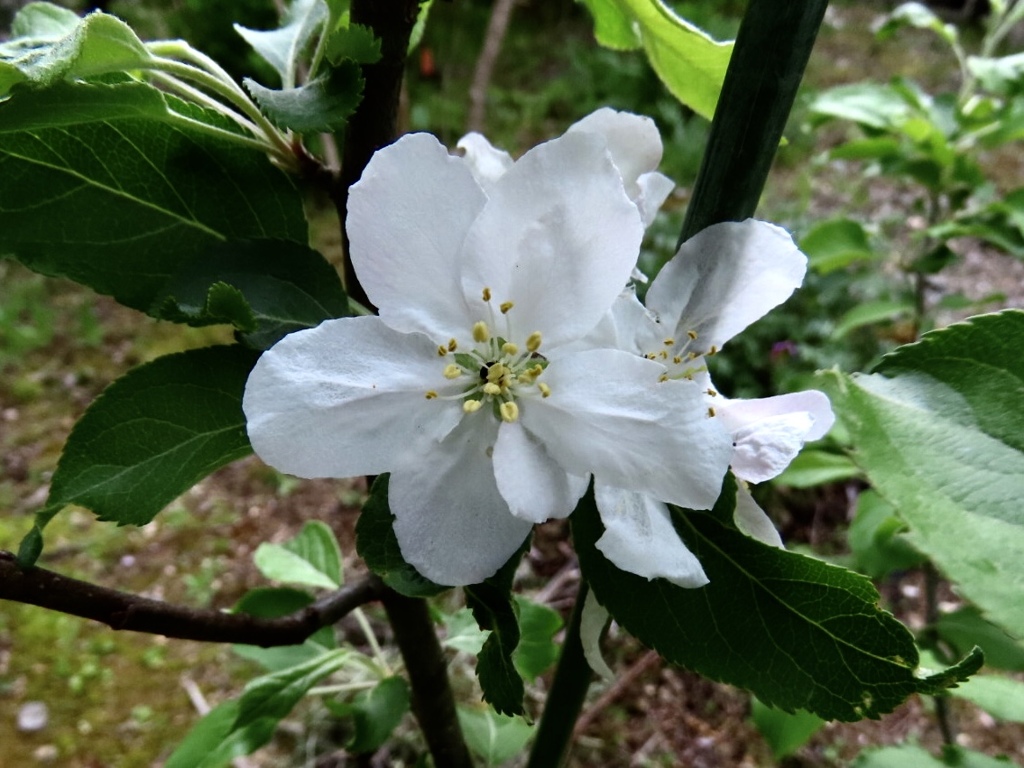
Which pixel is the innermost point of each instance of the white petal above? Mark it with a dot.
(609, 415)
(407, 218)
(724, 278)
(639, 537)
(534, 485)
(654, 191)
(592, 624)
(769, 432)
(558, 238)
(487, 162)
(627, 326)
(451, 522)
(752, 520)
(346, 398)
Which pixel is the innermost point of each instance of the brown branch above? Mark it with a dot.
(496, 29)
(123, 610)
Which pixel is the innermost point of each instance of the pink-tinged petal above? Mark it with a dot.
(608, 415)
(534, 485)
(769, 432)
(558, 237)
(346, 398)
(639, 537)
(487, 162)
(752, 520)
(407, 218)
(452, 524)
(724, 278)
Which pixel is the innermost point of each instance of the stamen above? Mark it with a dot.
(496, 372)
(491, 388)
(452, 345)
(713, 350)
(442, 351)
(692, 335)
(509, 411)
(712, 392)
(505, 306)
(481, 332)
(711, 412)
(452, 371)
(533, 341)
(431, 394)
(545, 390)
(669, 342)
(471, 406)
(677, 359)
(509, 348)
(663, 377)
(486, 294)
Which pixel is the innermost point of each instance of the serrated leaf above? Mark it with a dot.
(500, 681)
(799, 633)
(966, 627)
(324, 104)
(462, 632)
(689, 62)
(154, 433)
(312, 558)
(375, 713)
(537, 650)
(282, 47)
(354, 42)
(377, 544)
(785, 732)
(493, 737)
(48, 47)
(285, 287)
(939, 430)
(147, 193)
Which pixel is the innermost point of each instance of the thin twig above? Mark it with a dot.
(616, 689)
(496, 29)
(123, 610)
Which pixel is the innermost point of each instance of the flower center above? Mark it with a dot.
(684, 360)
(497, 370)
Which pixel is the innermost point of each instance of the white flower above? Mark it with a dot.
(470, 387)
(719, 282)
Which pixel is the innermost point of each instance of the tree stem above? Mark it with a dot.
(565, 700)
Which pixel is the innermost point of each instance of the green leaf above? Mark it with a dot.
(876, 541)
(502, 685)
(283, 47)
(153, 434)
(1001, 697)
(147, 193)
(837, 243)
(939, 430)
(207, 745)
(537, 649)
(265, 288)
(375, 713)
(905, 756)
(966, 627)
(799, 633)
(1003, 75)
(814, 466)
(919, 16)
(785, 732)
(876, 106)
(377, 544)
(324, 104)
(312, 558)
(354, 42)
(48, 48)
(462, 632)
(273, 696)
(869, 313)
(270, 603)
(689, 62)
(493, 738)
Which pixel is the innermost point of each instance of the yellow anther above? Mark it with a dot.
(663, 377)
(509, 411)
(669, 342)
(481, 332)
(509, 348)
(651, 356)
(711, 412)
(545, 390)
(431, 394)
(663, 355)
(442, 351)
(496, 372)
(713, 350)
(491, 389)
(452, 345)
(677, 359)
(692, 355)
(505, 306)
(471, 406)
(533, 341)
(486, 294)
(692, 335)
(452, 371)
(711, 392)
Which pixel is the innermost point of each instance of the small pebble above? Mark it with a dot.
(33, 716)
(46, 754)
